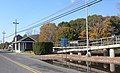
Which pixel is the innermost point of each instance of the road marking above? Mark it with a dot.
(22, 65)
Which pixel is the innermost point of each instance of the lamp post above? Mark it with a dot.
(15, 33)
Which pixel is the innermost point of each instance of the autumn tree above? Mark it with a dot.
(47, 32)
(99, 27)
(76, 25)
(101, 30)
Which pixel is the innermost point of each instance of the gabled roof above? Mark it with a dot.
(27, 38)
(33, 38)
(18, 38)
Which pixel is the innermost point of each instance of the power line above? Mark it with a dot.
(63, 14)
(77, 1)
(10, 35)
(74, 3)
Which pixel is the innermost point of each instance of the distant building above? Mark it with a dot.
(23, 43)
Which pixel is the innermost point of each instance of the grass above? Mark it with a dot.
(29, 52)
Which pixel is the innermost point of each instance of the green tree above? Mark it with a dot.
(78, 25)
(42, 47)
(66, 32)
(64, 24)
(115, 22)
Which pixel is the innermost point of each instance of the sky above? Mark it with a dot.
(29, 11)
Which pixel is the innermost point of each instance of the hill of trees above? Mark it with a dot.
(99, 27)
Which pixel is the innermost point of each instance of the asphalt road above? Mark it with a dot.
(16, 63)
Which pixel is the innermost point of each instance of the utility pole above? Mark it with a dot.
(3, 39)
(87, 26)
(15, 34)
(87, 35)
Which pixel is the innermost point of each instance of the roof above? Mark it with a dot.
(18, 38)
(26, 38)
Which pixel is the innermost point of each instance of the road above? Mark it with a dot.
(16, 63)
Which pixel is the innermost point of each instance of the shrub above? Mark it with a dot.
(42, 48)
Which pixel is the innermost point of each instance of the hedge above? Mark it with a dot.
(42, 48)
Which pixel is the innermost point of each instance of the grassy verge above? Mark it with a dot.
(29, 52)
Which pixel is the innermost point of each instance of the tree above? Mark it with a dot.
(99, 27)
(101, 30)
(78, 25)
(66, 32)
(4, 45)
(25, 35)
(42, 48)
(64, 24)
(115, 22)
(47, 33)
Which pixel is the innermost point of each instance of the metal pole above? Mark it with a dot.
(15, 34)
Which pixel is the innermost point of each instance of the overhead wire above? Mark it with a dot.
(72, 4)
(64, 14)
(65, 8)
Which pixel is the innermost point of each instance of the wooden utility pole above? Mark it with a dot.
(15, 33)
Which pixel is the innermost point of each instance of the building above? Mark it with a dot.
(22, 43)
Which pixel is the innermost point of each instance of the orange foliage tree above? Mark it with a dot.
(98, 30)
(47, 33)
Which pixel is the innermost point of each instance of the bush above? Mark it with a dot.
(42, 48)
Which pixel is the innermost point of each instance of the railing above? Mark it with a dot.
(97, 42)
(105, 41)
(94, 44)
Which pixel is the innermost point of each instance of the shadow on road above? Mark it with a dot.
(4, 51)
